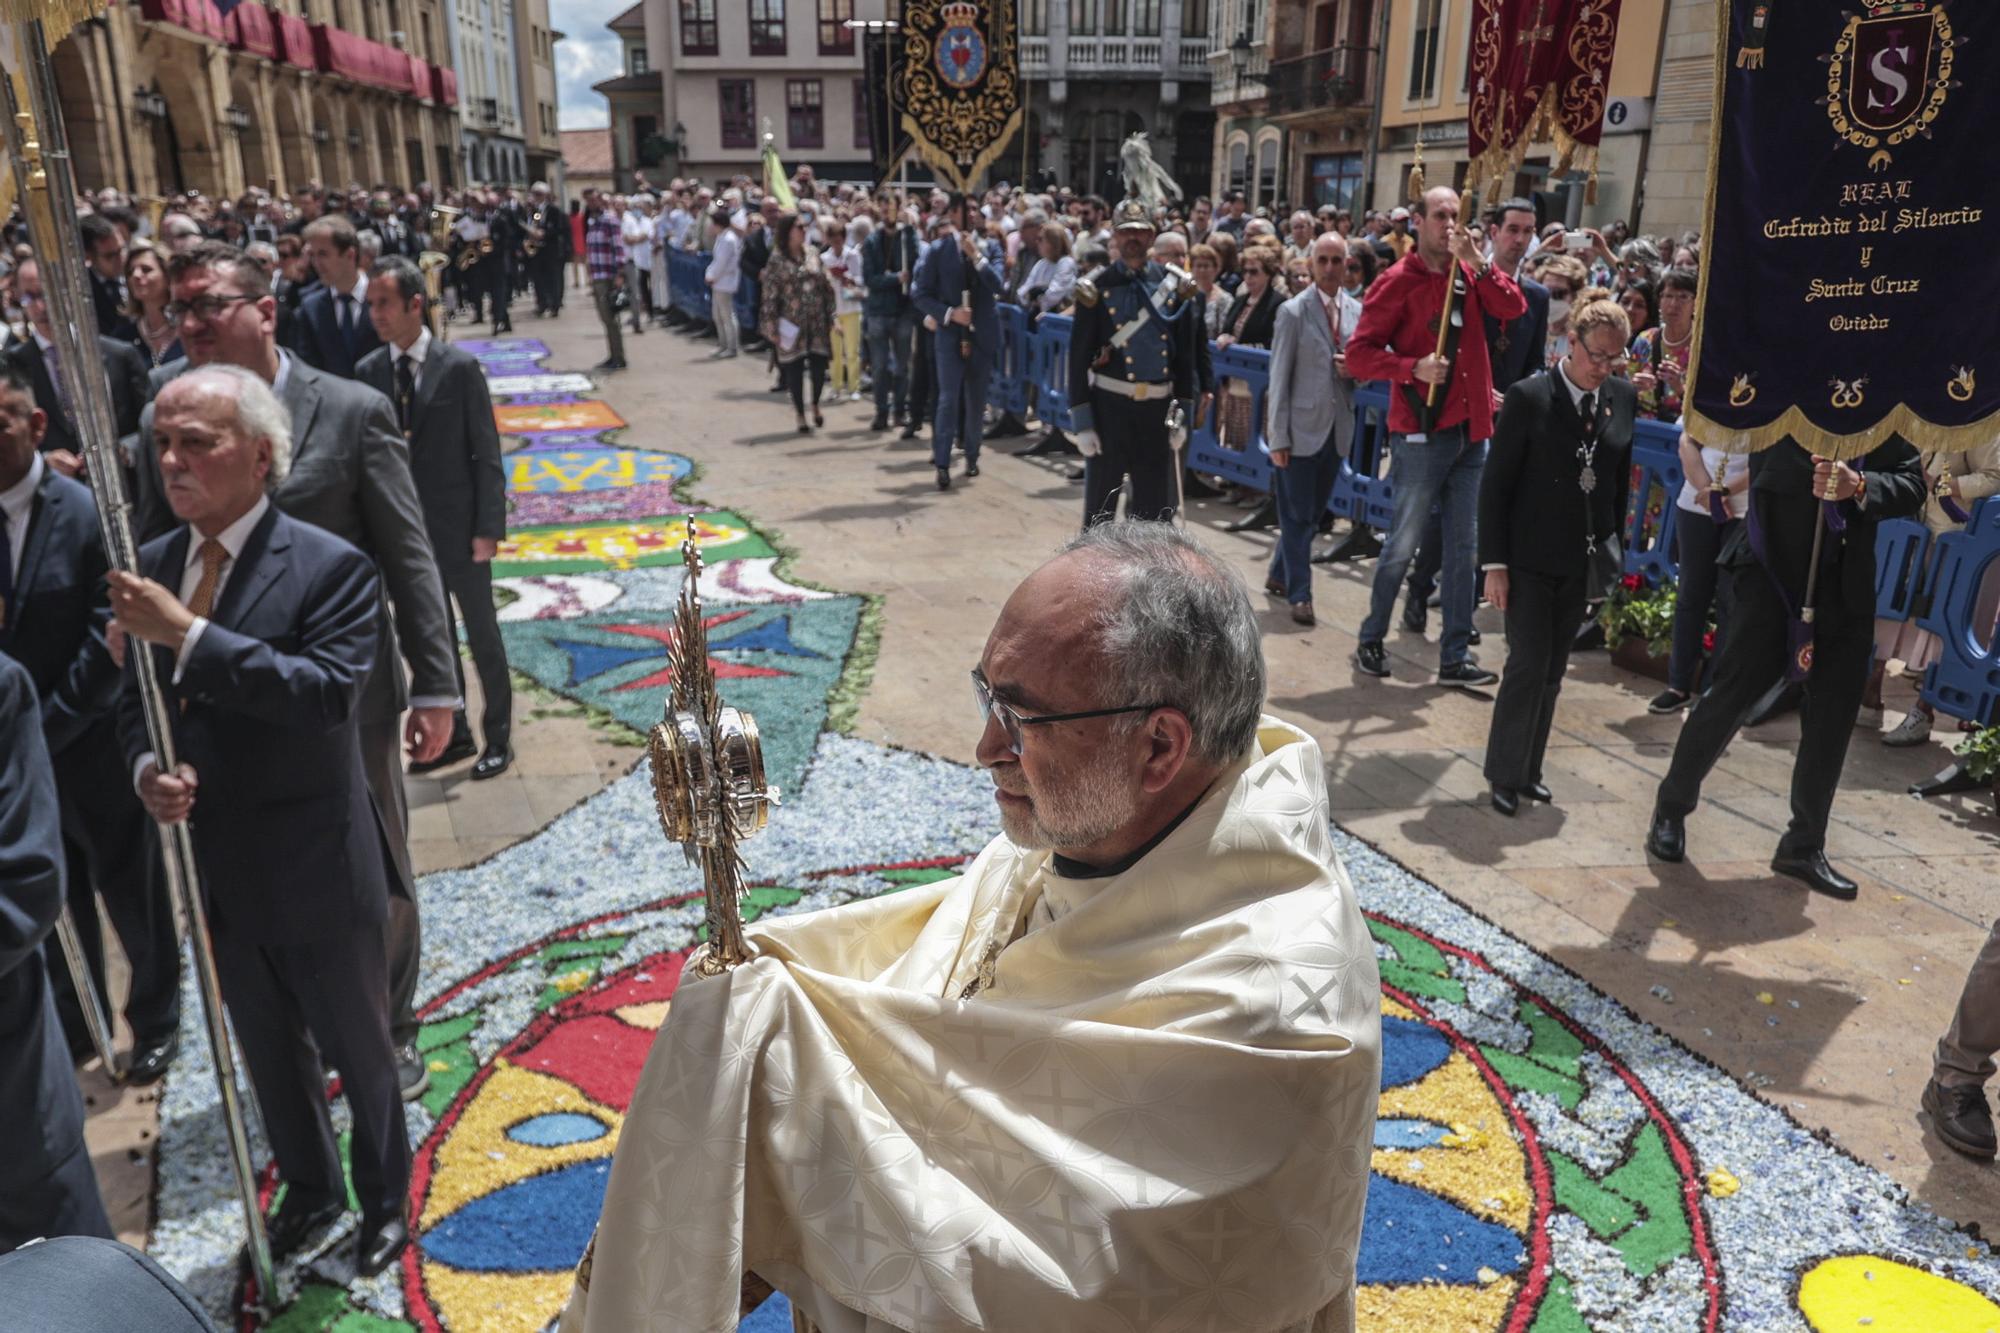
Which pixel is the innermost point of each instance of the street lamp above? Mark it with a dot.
(150, 103)
(1239, 53)
(237, 118)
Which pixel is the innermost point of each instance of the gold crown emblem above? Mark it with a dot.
(959, 14)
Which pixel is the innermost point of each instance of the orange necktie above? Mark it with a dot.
(213, 556)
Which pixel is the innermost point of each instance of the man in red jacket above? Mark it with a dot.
(1437, 442)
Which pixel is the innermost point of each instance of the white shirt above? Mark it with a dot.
(415, 352)
(359, 294)
(17, 502)
(232, 538)
(1342, 311)
(1727, 468)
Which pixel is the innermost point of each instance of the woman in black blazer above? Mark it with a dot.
(1252, 317)
(1553, 494)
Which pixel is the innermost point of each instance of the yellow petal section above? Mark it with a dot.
(477, 1157)
(1431, 1306)
(1882, 1296)
(495, 1302)
(1480, 1167)
(647, 1016)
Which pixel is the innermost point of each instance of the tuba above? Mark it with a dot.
(432, 262)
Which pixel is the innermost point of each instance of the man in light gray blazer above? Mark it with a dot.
(1309, 424)
(350, 475)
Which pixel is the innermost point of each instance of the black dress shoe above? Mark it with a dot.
(301, 1217)
(1302, 614)
(879, 423)
(460, 749)
(1950, 782)
(1506, 800)
(911, 431)
(413, 1072)
(1360, 544)
(379, 1244)
(1811, 869)
(972, 468)
(1053, 442)
(1782, 698)
(493, 763)
(1474, 637)
(1371, 660)
(1264, 516)
(1536, 791)
(151, 1059)
(944, 478)
(1667, 838)
(1961, 1117)
(1415, 618)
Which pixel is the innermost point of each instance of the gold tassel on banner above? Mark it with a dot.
(1417, 177)
(1590, 188)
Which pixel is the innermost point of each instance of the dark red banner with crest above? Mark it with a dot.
(1540, 72)
(1848, 288)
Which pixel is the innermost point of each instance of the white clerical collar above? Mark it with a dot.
(231, 537)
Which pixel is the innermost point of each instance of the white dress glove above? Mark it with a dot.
(1087, 443)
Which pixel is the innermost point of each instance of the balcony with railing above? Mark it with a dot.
(1336, 79)
(1155, 57)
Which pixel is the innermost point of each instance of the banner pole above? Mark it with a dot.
(39, 150)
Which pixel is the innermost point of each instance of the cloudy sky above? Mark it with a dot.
(589, 54)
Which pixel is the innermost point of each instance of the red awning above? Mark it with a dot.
(357, 58)
(200, 17)
(295, 40)
(249, 28)
(444, 85)
(420, 77)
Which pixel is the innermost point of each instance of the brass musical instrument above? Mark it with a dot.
(432, 262)
(472, 252)
(708, 776)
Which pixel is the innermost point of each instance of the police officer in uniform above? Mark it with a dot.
(1133, 357)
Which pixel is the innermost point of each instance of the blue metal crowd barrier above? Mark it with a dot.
(1901, 545)
(687, 283)
(1047, 367)
(1008, 389)
(1652, 514)
(1362, 492)
(1241, 461)
(1964, 595)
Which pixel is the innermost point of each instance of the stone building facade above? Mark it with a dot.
(168, 95)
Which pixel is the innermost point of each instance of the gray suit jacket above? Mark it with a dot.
(1307, 399)
(454, 447)
(350, 476)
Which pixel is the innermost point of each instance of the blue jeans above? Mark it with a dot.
(1443, 470)
(1301, 489)
(889, 338)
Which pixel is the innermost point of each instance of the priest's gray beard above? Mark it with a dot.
(1077, 808)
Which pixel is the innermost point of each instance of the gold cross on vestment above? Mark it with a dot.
(1543, 31)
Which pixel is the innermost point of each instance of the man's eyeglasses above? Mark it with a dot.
(203, 308)
(1012, 721)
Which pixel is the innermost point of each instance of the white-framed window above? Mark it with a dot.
(1429, 24)
(1266, 191)
(1238, 153)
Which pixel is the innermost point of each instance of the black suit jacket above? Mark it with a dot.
(1526, 336)
(36, 1081)
(1785, 510)
(285, 833)
(318, 337)
(126, 369)
(1533, 513)
(454, 447)
(55, 628)
(108, 299)
(1263, 321)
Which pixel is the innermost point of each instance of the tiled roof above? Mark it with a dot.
(587, 152)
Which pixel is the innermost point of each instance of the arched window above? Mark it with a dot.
(1267, 171)
(1239, 163)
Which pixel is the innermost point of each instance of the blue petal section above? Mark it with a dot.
(1410, 1050)
(540, 1224)
(773, 636)
(588, 661)
(1404, 1134)
(773, 1316)
(557, 1129)
(1411, 1236)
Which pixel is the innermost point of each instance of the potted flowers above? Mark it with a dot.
(1638, 620)
(1979, 754)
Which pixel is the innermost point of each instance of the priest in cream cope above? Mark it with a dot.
(1120, 1075)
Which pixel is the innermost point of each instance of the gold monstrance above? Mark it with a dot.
(708, 775)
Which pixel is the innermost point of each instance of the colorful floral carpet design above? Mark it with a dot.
(1544, 1162)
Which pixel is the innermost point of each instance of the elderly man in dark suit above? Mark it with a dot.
(264, 630)
(52, 612)
(446, 415)
(36, 357)
(1554, 492)
(333, 330)
(47, 1186)
(352, 478)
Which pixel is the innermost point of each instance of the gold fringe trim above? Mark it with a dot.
(1900, 420)
(946, 166)
(58, 16)
(1491, 170)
